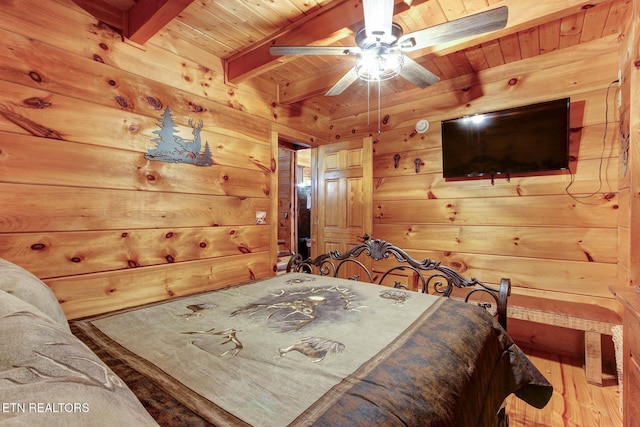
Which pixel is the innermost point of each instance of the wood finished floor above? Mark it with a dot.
(574, 401)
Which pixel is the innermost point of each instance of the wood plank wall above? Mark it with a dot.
(557, 243)
(82, 208)
(629, 170)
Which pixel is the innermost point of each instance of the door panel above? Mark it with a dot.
(344, 195)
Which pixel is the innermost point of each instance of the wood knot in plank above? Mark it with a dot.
(154, 102)
(35, 76)
(36, 102)
(122, 102)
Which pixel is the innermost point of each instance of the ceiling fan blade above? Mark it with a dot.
(417, 74)
(378, 17)
(313, 50)
(343, 83)
(471, 25)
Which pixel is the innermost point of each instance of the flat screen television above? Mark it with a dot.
(526, 139)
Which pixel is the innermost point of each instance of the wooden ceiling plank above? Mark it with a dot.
(182, 31)
(617, 17)
(148, 17)
(446, 69)
(431, 13)
(493, 53)
(477, 59)
(510, 48)
(473, 6)
(550, 36)
(220, 25)
(251, 17)
(594, 22)
(460, 62)
(571, 29)
(453, 9)
(529, 42)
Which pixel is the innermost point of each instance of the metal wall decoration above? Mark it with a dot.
(396, 160)
(172, 148)
(418, 163)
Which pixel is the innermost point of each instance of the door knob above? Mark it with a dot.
(364, 237)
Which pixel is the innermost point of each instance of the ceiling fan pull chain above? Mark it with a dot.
(368, 103)
(378, 107)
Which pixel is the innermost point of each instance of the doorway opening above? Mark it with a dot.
(294, 201)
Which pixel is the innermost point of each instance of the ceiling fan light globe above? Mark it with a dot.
(374, 65)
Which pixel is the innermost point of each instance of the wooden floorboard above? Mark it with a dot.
(574, 401)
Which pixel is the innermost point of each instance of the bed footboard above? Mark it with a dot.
(431, 275)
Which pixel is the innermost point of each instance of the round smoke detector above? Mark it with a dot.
(422, 126)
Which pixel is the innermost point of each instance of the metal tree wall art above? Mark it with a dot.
(172, 148)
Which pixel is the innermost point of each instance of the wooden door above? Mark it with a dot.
(343, 187)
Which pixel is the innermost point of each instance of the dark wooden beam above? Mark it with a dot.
(148, 17)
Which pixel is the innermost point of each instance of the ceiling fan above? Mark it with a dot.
(381, 45)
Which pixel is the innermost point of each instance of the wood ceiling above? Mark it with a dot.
(240, 32)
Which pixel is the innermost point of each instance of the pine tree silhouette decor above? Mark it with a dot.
(172, 148)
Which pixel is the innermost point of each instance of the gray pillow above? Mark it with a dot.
(24, 285)
(49, 377)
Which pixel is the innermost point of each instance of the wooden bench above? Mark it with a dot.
(572, 316)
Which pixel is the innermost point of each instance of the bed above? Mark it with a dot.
(313, 349)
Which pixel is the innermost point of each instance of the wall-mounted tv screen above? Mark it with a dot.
(525, 139)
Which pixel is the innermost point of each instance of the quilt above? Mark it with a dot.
(299, 349)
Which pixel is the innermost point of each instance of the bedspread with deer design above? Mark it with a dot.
(298, 349)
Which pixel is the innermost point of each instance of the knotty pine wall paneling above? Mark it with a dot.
(629, 165)
(82, 208)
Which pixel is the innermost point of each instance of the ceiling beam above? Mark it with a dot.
(147, 17)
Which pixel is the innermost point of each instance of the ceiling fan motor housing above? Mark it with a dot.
(378, 39)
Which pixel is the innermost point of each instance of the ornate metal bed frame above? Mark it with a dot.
(430, 273)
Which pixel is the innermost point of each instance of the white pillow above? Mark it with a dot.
(49, 377)
(24, 285)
